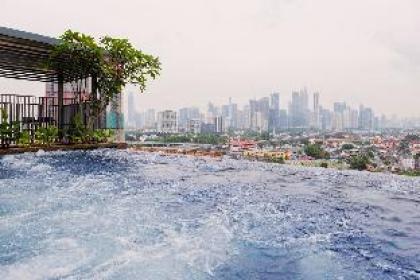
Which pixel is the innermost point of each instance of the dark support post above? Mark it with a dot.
(96, 123)
(60, 105)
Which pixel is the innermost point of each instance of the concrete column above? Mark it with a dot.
(115, 118)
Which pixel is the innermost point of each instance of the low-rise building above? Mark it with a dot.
(417, 163)
(407, 163)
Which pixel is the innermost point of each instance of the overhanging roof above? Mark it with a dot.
(13, 33)
(24, 55)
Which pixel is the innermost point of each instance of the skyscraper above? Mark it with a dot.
(259, 114)
(366, 118)
(316, 120)
(283, 120)
(185, 115)
(150, 119)
(299, 114)
(274, 122)
(131, 111)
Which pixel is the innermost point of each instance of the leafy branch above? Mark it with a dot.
(111, 63)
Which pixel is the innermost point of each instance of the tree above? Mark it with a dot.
(316, 151)
(347, 147)
(111, 63)
(359, 162)
(324, 165)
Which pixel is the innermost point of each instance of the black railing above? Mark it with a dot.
(30, 112)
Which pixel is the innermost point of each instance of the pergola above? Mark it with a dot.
(24, 56)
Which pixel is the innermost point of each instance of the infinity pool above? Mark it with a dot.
(111, 214)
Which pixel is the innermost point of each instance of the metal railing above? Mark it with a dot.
(30, 112)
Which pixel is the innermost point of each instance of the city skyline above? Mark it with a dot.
(363, 52)
(283, 104)
(304, 111)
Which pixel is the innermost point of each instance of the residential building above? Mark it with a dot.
(167, 122)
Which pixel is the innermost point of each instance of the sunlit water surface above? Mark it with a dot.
(111, 214)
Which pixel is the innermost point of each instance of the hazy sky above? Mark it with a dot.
(359, 51)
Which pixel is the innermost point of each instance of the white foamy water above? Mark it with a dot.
(111, 214)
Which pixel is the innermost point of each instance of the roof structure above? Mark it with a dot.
(23, 55)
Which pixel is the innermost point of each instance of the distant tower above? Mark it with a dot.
(131, 113)
(274, 122)
(316, 110)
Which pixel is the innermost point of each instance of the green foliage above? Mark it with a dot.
(278, 160)
(347, 147)
(175, 138)
(77, 132)
(412, 137)
(316, 151)
(9, 132)
(101, 135)
(209, 138)
(413, 173)
(305, 141)
(4, 128)
(324, 165)
(204, 138)
(256, 135)
(359, 162)
(24, 138)
(113, 62)
(46, 135)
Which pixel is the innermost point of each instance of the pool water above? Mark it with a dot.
(112, 214)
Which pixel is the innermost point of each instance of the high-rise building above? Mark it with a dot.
(131, 111)
(343, 116)
(230, 115)
(326, 119)
(259, 114)
(233, 114)
(194, 126)
(283, 120)
(274, 117)
(366, 118)
(299, 113)
(226, 116)
(150, 119)
(339, 107)
(244, 121)
(316, 117)
(141, 120)
(218, 124)
(354, 119)
(167, 122)
(212, 110)
(185, 115)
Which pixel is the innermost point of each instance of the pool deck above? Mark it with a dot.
(73, 147)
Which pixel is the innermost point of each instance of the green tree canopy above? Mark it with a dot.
(359, 162)
(112, 63)
(347, 146)
(316, 151)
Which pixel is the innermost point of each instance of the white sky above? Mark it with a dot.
(359, 51)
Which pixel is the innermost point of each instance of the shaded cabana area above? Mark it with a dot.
(26, 56)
